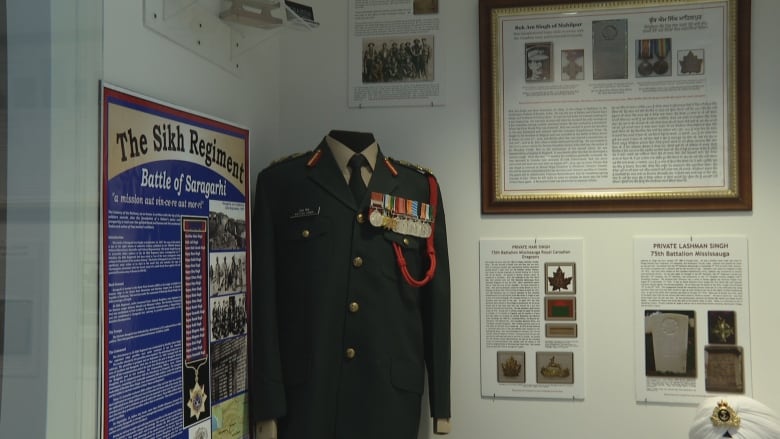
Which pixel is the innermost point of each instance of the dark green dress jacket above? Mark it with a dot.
(340, 341)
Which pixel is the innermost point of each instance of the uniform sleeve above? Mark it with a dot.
(436, 318)
(268, 396)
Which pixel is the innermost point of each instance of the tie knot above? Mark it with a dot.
(356, 162)
(356, 184)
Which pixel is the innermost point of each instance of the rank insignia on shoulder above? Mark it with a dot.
(421, 169)
(390, 166)
(314, 158)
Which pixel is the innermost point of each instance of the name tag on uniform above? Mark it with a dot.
(303, 212)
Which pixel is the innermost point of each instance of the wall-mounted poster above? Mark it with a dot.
(531, 313)
(175, 275)
(396, 54)
(692, 317)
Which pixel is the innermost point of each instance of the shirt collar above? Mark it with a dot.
(342, 154)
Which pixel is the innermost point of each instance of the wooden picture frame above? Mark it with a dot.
(653, 114)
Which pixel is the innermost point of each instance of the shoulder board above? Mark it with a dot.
(418, 168)
(288, 158)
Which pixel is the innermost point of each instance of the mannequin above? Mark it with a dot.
(338, 348)
(354, 140)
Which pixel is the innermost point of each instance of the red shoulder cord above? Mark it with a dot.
(399, 255)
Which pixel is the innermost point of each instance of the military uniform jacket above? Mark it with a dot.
(341, 342)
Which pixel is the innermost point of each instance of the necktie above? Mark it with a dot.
(356, 184)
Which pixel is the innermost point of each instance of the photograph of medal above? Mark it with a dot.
(572, 62)
(195, 396)
(644, 54)
(651, 57)
(661, 48)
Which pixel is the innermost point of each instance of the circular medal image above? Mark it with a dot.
(644, 68)
(661, 67)
(375, 218)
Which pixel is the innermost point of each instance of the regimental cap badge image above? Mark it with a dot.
(511, 367)
(559, 281)
(553, 369)
(690, 63)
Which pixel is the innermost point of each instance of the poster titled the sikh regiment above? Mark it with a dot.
(174, 271)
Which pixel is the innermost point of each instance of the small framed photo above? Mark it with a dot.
(670, 343)
(653, 57)
(573, 65)
(538, 61)
(721, 327)
(555, 367)
(560, 278)
(560, 330)
(560, 308)
(610, 49)
(724, 369)
(690, 62)
(510, 366)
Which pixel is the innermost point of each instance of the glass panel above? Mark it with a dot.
(50, 233)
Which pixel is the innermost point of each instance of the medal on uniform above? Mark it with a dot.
(399, 212)
(375, 210)
(645, 67)
(661, 49)
(401, 215)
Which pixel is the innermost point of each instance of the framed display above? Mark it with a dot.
(555, 367)
(725, 369)
(511, 366)
(590, 106)
(560, 278)
(560, 308)
(560, 330)
(670, 343)
(722, 327)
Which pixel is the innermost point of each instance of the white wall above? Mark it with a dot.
(297, 91)
(143, 61)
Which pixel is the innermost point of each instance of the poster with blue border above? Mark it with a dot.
(174, 272)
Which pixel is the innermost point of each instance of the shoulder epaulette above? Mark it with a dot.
(288, 158)
(416, 167)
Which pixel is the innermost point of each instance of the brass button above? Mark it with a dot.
(350, 353)
(406, 242)
(361, 218)
(305, 233)
(354, 307)
(357, 262)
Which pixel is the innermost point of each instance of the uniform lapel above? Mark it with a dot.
(325, 172)
(382, 180)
